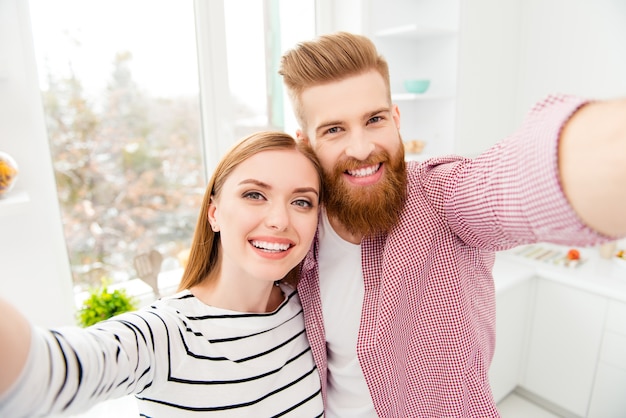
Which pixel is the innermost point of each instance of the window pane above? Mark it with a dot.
(121, 96)
(255, 41)
(120, 88)
(247, 72)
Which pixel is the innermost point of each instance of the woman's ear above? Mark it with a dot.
(211, 215)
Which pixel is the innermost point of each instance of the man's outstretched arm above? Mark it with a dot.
(592, 165)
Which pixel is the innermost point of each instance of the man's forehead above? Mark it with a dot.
(345, 115)
(370, 82)
(356, 97)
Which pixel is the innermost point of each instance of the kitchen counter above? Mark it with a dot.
(553, 324)
(596, 275)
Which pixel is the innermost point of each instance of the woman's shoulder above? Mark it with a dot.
(168, 310)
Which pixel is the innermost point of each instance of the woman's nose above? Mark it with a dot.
(277, 217)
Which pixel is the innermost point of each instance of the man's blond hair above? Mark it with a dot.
(329, 58)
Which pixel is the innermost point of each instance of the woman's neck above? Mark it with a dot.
(259, 298)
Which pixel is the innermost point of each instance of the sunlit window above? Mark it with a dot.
(120, 86)
(255, 41)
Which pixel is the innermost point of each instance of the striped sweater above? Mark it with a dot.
(181, 358)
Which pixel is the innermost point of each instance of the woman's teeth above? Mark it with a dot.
(270, 246)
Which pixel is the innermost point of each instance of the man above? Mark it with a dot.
(397, 290)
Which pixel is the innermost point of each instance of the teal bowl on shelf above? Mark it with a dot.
(416, 85)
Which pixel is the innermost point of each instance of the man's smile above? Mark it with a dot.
(364, 171)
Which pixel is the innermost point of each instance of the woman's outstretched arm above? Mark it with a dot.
(14, 344)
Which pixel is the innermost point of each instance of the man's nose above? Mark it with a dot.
(359, 147)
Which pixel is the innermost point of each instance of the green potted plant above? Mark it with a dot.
(104, 303)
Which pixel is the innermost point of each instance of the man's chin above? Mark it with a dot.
(366, 215)
(368, 209)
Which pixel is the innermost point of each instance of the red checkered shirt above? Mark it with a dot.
(427, 331)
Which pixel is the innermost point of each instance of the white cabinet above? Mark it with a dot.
(609, 391)
(564, 345)
(512, 311)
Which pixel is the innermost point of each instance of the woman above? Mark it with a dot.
(231, 342)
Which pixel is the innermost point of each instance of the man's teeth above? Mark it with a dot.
(362, 172)
(270, 246)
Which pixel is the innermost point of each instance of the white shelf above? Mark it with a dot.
(422, 42)
(414, 31)
(13, 202)
(407, 97)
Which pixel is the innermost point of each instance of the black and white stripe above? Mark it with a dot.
(181, 358)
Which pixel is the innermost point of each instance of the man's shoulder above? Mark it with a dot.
(429, 185)
(434, 165)
(433, 173)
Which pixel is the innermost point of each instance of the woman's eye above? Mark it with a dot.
(253, 195)
(333, 130)
(304, 203)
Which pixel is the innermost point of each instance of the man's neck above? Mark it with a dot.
(341, 230)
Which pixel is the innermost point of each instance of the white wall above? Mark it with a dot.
(514, 53)
(573, 46)
(340, 15)
(34, 271)
(489, 62)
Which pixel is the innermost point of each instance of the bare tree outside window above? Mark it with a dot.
(122, 105)
(128, 161)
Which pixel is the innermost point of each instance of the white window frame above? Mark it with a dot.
(215, 104)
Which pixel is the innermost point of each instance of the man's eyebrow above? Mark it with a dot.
(376, 112)
(365, 116)
(325, 125)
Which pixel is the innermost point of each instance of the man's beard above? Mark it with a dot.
(371, 209)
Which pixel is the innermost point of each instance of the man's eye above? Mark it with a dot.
(375, 119)
(333, 130)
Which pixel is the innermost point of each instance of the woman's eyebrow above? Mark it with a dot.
(306, 190)
(256, 182)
